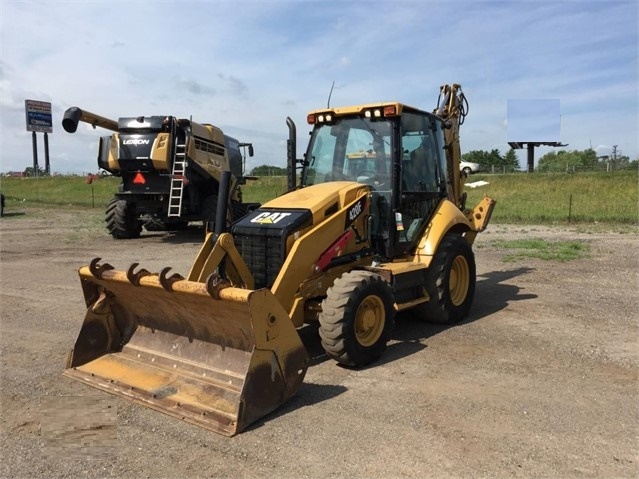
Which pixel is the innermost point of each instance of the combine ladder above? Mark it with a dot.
(177, 181)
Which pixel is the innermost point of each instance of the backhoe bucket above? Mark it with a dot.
(217, 357)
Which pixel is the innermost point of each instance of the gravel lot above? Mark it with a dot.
(539, 381)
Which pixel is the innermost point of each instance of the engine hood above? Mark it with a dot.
(322, 200)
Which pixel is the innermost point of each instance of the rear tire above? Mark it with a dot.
(122, 220)
(357, 318)
(450, 282)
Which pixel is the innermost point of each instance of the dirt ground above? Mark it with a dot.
(540, 381)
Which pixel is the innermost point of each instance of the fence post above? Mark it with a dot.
(570, 208)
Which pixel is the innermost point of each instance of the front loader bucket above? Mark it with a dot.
(219, 358)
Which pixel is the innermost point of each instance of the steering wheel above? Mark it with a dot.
(373, 178)
(370, 173)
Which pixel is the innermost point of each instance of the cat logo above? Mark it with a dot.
(269, 218)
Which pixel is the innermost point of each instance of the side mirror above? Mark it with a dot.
(250, 149)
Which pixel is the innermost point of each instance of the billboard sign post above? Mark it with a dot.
(39, 119)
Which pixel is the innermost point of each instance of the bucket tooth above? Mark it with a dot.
(167, 282)
(133, 276)
(97, 269)
(214, 284)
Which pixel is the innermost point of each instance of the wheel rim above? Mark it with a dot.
(369, 321)
(459, 280)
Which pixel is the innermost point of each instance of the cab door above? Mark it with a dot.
(422, 184)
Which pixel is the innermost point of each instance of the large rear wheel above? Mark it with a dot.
(357, 318)
(122, 220)
(450, 282)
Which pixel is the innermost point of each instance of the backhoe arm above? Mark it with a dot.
(452, 107)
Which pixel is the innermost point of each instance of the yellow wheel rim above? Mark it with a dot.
(369, 321)
(459, 280)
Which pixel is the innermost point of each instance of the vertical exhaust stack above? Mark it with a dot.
(222, 205)
(291, 154)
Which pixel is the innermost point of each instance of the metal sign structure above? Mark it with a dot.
(38, 115)
(39, 119)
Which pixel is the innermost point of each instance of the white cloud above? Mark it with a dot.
(245, 66)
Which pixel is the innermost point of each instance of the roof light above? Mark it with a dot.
(320, 118)
(367, 113)
(310, 118)
(377, 113)
(390, 110)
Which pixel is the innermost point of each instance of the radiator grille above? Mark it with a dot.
(264, 256)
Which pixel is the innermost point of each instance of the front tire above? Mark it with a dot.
(122, 220)
(357, 318)
(450, 282)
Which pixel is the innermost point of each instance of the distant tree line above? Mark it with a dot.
(30, 171)
(268, 170)
(563, 160)
(584, 160)
(493, 160)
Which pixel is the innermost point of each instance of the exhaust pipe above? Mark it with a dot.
(291, 153)
(222, 205)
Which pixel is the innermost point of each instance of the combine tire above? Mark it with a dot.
(357, 318)
(122, 220)
(450, 282)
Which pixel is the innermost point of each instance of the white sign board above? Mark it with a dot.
(38, 114)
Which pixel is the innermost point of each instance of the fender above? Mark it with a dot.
(447, 217)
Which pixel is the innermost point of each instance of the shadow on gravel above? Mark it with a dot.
(491, 295)
(307, 395)
(13, 213)
(192, 234)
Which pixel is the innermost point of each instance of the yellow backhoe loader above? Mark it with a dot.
(374, 222)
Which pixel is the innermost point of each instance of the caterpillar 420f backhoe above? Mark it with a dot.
(376, 225)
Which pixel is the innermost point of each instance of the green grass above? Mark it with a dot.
(542, 249)
(264, 189)
(537, 198)
(58, 191)
(546, 198)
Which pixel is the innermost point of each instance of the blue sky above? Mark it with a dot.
(246, 65)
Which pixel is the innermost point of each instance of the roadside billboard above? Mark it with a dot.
(38, 115)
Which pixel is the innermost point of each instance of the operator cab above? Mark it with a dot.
(395, 149)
